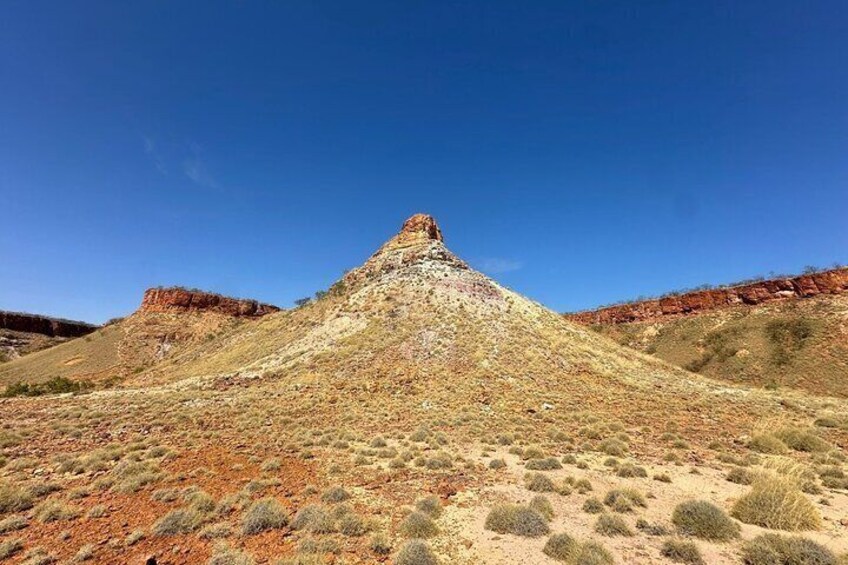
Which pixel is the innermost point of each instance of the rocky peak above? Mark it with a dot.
(419, 242)
(420, 227)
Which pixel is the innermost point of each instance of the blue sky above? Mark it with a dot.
(580, 152)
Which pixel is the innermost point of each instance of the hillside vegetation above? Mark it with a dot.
(415, 413)
(790, 344)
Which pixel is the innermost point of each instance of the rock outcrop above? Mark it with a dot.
(44, 325)
(176, 299)
(803, 286)
(418, 243)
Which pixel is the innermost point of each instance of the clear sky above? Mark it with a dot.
(579, 152)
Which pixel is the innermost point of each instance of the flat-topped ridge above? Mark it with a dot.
(834, 281)
(181, 299)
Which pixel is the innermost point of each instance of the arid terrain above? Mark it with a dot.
(416, 412)
(781, 333)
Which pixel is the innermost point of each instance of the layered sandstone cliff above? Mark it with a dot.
(804, 286)
(177, 299)
(44, 325)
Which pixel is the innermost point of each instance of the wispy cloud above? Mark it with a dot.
(498, 265)
(153, 152)
(195, 169)
(184, 157)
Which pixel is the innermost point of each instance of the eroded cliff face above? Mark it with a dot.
(44, 325)
(180, 299)
(803, 286)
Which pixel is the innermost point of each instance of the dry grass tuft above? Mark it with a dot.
(418, 525)
(179, 521)
(612, 525)
(313, 518)
(264, 514)
(517, 520)
(704, 520)
(771, 549)
(14, 499)
(335, 494)
(682, 551)
(223, 554)
(562, 547)
(415, 552)
(430, 505)
(775, 502)
(537, 482)
(543, 506)
(623, 500)
(10, 547)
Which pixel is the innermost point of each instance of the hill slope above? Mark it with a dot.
(799, 343)
(299, 435)
(788, 332)
(22, 333)
(168, 320)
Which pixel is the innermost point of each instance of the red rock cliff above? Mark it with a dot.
(180, 299)
(803, 286)
(53, 327)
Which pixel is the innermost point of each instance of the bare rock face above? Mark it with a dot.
(44, 325)
(419, 242)
(803, 286)
(420, 227)
(177, 299)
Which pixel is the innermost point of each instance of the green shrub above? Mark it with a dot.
(772, 549)
(518, 520)
(612, 525)
(418, 525)
(704, 520)
(682, 551)
(264, 514)
(415, 552)
(776, 502)
(787, 336)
